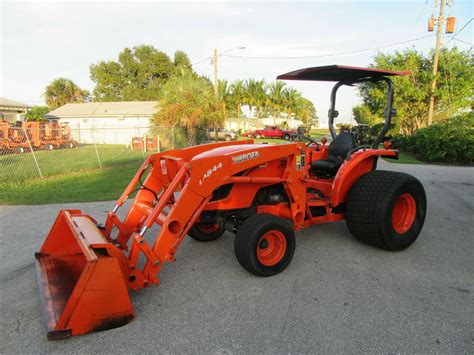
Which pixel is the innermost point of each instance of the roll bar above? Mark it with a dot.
(388, 113)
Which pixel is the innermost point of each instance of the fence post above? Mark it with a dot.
(33, 153)
(97, 154)
(95, 148)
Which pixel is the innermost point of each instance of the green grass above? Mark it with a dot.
(20, 167)
(70, 175)
(405, 158)
(320, 132)
(96, 185)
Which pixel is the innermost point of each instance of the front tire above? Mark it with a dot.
(258, 136)
(386, 209)
(265, 244)
(287, 137)
(206, 232)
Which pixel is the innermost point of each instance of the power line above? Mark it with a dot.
(460, 40)
(200, 61)
(458, 32)
(421, 12)
(330, 55)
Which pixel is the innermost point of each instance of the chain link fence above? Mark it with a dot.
(35, 151)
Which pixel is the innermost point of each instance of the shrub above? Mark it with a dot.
(405, 143)
(448, 142)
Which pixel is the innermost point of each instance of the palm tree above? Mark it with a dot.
(238, 96)
(250, 93)
(260, 96)
(275, 92)
(62, 91)
(189, 101)
(224, 94)
(291, 100)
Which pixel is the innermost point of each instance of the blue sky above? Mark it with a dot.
(43, 41)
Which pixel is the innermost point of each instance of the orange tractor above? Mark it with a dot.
(262, 193)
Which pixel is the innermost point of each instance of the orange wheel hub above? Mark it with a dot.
(403, 214)
(271, 248)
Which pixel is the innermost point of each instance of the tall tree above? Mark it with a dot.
(139, 74)
(362, 115)
(291, 99)
(275, 92)
(224, 95)
(62, 91)
(188, 101)
(250, 94)
(181, 60)
(455, 86)
(260, 96)
(237, 96)
(306, 112)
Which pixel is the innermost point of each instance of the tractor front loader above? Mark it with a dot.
(261, 193)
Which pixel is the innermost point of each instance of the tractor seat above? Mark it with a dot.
(338, 150)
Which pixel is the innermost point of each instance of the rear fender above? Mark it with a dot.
(360, 163)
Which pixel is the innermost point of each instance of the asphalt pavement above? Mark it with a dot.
(337, 295)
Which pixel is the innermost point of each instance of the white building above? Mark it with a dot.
(106, 122)
(12, 111)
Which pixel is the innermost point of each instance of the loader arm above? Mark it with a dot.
(178, 188)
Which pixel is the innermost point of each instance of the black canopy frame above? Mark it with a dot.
(349, 76)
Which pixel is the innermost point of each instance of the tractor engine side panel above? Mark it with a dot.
(242, 195)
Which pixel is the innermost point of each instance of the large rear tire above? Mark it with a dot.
(265, 244)
(386, 209)
(206, 232)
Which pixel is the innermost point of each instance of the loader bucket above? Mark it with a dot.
(82, 287)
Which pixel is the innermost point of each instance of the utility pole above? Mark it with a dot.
(440, 22)
(214, 61)
(216, 81)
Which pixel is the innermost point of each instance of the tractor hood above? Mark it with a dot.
(231, 149)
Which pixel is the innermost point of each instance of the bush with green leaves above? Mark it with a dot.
(448, 142)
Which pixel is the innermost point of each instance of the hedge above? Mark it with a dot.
(448, 142)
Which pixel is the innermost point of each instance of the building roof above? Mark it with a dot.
(12, 104)
(105, 109)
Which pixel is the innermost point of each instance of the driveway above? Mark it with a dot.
(337, 295)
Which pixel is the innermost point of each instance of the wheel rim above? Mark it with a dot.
(404, 213)
(271, 248)
(208, 228)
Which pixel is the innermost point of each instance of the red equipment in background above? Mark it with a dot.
(35, 135)
(152, 144)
